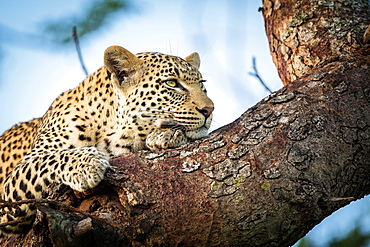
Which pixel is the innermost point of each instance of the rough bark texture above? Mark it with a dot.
(265, 179)
(305, 35)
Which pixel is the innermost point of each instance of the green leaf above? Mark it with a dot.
(354, 238)
(97, 15)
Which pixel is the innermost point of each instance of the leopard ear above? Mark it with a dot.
(193, 59)
(120, 62)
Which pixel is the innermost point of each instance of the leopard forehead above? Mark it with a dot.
(165, 66)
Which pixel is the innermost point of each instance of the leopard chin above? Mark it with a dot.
(200, 132)
(197, 133)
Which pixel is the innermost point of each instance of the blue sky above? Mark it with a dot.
(226, 34)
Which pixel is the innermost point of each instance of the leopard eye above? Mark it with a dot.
(201, 83)
(172, 83)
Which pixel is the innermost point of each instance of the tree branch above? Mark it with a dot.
(78, 49)
(257, 75)
(39, 201)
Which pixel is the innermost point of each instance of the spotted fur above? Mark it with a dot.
(134, 102)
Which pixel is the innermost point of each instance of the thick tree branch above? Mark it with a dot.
(305, 35)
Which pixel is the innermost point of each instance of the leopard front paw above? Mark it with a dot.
(166, 138)
(88, 170)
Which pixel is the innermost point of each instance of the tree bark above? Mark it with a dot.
(264, 180)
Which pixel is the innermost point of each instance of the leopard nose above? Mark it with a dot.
(206, 111)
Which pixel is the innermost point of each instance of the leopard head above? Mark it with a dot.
(161, 91)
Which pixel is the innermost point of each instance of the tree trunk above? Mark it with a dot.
(264, 180)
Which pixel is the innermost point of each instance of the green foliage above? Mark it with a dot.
(354, 238)
(96, 15)
(304, 242)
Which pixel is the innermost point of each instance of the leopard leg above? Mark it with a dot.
(80, 168)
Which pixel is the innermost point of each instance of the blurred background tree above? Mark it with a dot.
(97, 15)
(355, 238)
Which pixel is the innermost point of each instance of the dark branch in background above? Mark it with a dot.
(256, 74)
(16, 204)
(78, 49)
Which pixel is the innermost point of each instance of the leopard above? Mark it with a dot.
(148, 101)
